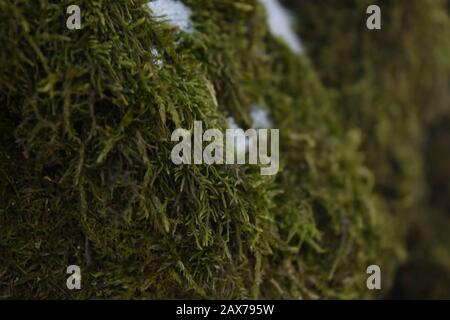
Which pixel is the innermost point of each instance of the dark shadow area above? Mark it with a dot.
(425, 274)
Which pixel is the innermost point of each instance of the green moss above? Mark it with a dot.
(86, 118)
(395, 87)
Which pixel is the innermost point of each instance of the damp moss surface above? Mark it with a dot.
(86, 178)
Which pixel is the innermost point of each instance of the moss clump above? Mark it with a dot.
(394, 89)
(85, 124)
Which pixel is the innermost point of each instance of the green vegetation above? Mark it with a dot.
(86, 177)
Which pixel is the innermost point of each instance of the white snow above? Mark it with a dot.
(232, 123)
(174, 12)
(280, 22)
(241, 146)
(157, 58)
(260, 118)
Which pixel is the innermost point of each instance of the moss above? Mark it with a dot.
(395, 87)
(85, 123)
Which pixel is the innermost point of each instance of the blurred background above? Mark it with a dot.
(393, 84)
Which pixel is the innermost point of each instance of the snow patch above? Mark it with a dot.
(175, 12)
(157, 58)
(280, 22)
(260, 118)
(240, 146)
